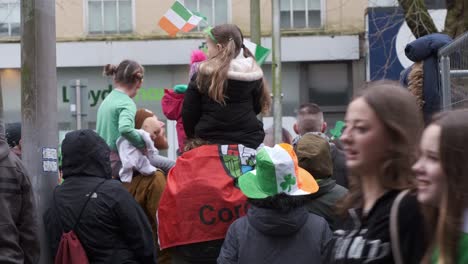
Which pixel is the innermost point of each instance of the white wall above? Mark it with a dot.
(177, 52)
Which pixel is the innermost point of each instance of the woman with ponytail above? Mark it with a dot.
(223, 99)
(442, 180)
(116, 114)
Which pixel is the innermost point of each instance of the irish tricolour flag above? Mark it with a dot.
(179, 18)
(260, 53)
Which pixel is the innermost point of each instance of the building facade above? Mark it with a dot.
(321, 46)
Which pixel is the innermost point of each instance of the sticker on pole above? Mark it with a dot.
(49, 160)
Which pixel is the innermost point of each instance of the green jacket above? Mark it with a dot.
(115, 118)
(462, 251)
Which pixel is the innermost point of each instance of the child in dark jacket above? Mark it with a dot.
(223, 99)
(277, 228)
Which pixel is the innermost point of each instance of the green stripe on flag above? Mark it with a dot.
(181, 10)
(261, 54)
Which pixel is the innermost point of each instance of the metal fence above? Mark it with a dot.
(453, 61)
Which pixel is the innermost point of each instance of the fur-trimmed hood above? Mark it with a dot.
(240, 69)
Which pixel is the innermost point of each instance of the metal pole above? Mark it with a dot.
(445, 82)
(276, 71)
(78, 104)
(255, 27)
(39, 105)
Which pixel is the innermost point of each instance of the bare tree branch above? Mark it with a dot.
(456, 22)
(417, 17)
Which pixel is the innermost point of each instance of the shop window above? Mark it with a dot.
(329, 84)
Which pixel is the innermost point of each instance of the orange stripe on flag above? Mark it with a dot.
(187, 27)
(167, 25)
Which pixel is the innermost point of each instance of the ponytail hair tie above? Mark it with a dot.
(243, 46)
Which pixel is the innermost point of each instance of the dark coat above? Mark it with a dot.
(366, 238)
(425, 49)
(323, 202)
(269, 236)
(340, 172)
(19, 239)
(113, 227)
(233, 123)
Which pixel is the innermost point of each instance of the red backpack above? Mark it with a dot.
(70, 249)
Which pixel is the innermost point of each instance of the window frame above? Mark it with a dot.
(86, 16)
(9, 3)
(306, 10)
(213, 8)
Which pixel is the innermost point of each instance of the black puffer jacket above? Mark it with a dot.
(113, 227)
(236, 121)
(269, 236)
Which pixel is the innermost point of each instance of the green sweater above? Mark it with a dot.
(115, 118)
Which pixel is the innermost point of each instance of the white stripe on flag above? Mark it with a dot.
(194, 20)
(251, 46)
(172, 16)
(284, 166)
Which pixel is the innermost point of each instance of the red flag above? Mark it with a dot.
(201, 200)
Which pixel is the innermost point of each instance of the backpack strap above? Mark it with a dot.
(86, 203)
(82, 208)
(394, 234)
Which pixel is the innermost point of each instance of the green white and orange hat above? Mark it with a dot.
(276, 172)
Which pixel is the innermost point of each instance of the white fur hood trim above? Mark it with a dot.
(244, 69)
(240, 69)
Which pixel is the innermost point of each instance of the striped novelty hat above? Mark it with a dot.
(277, 172)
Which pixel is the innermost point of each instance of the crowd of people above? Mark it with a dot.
(392, 189)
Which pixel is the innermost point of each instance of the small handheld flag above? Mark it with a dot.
(179, 18)
(260, 53)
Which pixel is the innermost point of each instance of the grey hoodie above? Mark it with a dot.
(19, 241)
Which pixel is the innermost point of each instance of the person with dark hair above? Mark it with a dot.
(19, 234)
(313, 154)
(442, 181)
(223, 99)
(382, 221)
(310, 120)
(277, 227)
(116, 114)
(13, 136)
(112, 227)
